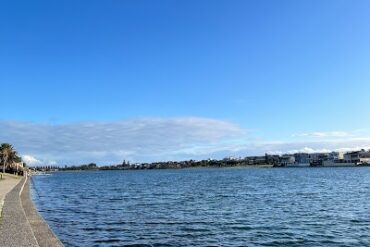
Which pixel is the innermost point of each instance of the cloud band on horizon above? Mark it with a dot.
(154, 139)
(145, 139)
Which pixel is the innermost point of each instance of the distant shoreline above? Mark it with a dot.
(169, 168)
(208, 167)
(330, 159)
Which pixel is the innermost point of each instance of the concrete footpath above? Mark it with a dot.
(15, 230)
(20, 224)
(7, 183)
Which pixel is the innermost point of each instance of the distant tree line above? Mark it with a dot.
(126, 165)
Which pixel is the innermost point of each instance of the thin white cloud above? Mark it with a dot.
(327, 134)
(343, 145)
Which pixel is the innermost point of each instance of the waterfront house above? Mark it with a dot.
(358, 157)
(256, 160)
(316, 159)
(302, 158)
(287, 160)
(272, 159)
(17, 166)
(14, 167)
(335, 156)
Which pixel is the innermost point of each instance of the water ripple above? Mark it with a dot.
(208, 207)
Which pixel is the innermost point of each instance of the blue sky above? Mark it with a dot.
(257, 76)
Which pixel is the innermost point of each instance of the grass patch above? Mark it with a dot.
(4, 175)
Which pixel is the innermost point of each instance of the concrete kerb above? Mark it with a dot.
(42, 232)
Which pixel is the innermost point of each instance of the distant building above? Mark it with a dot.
(14, 167)
(314, 157)
(272, 159)
(287, 159)
(256, 160)
(302, 158)
(18, 166)
(334, 156)
(358, 157)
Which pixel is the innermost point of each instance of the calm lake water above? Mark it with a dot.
(208, 207)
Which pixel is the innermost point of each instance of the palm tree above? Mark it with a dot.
(8, 155)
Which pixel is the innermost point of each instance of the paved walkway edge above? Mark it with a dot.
(42, 232)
